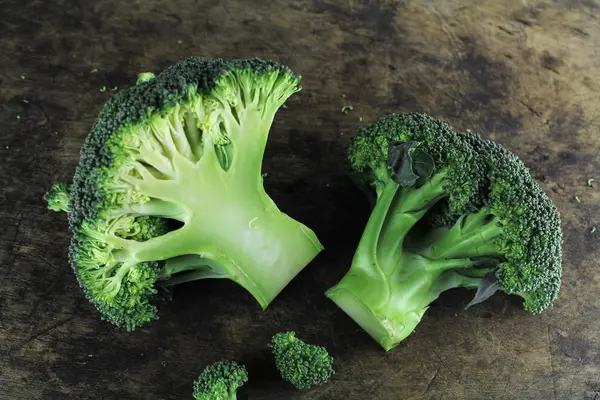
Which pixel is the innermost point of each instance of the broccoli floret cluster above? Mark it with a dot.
(220, 381)
(303, 365)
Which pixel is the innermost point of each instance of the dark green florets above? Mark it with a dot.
(532, 237)
(220, 381)
(303, 365)
(459, 166)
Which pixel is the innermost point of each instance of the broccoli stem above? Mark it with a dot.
(186, 263)
(389, 309)
(470, 236)
(406, 209)
(235, 225)
(200, 273)
(388, 289)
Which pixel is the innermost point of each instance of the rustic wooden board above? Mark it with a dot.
(524, 73)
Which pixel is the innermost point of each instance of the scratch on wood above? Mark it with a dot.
(14, 241)
(42, 333)
(531, 109)
(428, 387)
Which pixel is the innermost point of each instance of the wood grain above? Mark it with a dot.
(524, 73)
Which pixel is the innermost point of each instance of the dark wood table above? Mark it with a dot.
(525, 73)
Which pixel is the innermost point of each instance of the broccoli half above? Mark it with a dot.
(169, 189)
(452, 210)
(220, 381)
(303, 365)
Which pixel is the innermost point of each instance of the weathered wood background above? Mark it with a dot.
(524, 73)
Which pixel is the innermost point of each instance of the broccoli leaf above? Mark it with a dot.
(488, 286)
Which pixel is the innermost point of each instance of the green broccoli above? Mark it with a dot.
(303, 365)
(58, 197)
(452, 210)
(220, 381)
(169, 189)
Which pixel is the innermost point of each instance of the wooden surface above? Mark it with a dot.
(524, 73)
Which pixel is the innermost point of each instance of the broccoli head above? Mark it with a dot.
(303, 365)
(220, 381)
(452, 210)
(169, 189)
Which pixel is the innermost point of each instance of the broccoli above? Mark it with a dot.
(303, 365)
(220, 381)
(452, 210)
(58, 197)
(169, 189)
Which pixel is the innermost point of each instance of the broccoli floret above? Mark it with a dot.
(144, 77)
(58, 197)
(169, 189)
(220, 381)
(452, 210)
(303, 365)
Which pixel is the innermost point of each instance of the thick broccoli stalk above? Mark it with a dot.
(303, 365)
(220, 381)
(452, 210)
(169, 189)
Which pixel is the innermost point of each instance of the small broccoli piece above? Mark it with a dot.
(169, 189)
(303, 365)
(144, 77)
(452, 210)
(58, 197)
(220, 381)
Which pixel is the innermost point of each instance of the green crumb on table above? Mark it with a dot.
(18, 117)
(577, 199)
(94, 70)
(347, 108)
(144, 77)
(590, 181)
(22, 77)
(114, 89)
(593, 230)
(103, 89)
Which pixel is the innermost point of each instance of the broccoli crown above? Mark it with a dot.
(455, 161)
(303, 365)
(220, 381)
(531, 238)
(108, 145)
(58, 197)
(187, 146)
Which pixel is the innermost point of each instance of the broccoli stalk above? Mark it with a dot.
(169, 189)
(220, 381)
(452, 211)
